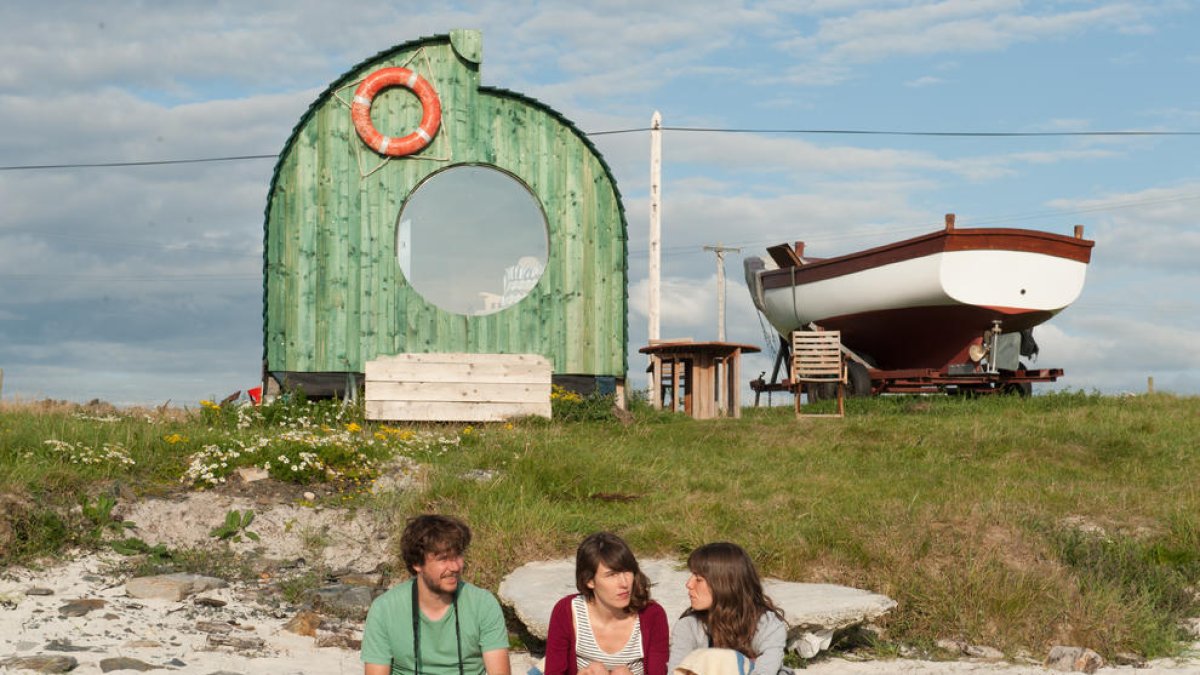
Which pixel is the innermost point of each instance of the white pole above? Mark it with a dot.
(655, 221)
(655, 281)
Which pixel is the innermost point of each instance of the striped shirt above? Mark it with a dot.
(588, 651)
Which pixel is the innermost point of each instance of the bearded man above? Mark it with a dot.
(435, 623)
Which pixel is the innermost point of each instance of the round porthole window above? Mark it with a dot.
(472, 240)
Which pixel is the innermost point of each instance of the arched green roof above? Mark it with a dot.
(334, 296)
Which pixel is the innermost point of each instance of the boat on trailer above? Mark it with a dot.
(949, 309)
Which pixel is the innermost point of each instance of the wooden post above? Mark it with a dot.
(655, 280)
(1150, 384)
(735, 376)
(720, 251)
(1, 384)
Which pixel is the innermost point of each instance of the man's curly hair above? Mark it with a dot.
(432, 533)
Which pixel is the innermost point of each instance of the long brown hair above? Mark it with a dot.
(608, 548)
(738, 600)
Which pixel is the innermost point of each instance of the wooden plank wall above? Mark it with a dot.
(457, 387)
(335, 297)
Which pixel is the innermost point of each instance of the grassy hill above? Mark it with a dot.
(1016, 523)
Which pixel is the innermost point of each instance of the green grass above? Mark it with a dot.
(1016, 523)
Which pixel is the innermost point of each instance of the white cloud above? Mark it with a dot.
(952, 26)
(1159, 227)
(158, 267)
(924, 81)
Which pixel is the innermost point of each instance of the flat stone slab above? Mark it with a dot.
(174, 587)
(532, 589)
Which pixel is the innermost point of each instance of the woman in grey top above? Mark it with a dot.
(729, 610)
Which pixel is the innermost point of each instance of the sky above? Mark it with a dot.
(142, 285)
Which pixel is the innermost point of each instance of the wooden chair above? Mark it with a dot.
(817, 359)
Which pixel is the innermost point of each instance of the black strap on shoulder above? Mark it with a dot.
(416, 629)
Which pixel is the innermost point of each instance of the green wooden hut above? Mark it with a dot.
(341, 267)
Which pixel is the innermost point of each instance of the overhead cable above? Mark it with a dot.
(710, 130)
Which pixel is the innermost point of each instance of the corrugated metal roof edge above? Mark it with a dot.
(411, 44)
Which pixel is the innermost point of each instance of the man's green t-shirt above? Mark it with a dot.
(388, 634)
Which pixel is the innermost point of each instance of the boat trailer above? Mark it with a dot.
(865, 380)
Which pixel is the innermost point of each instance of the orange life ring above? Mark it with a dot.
(431, 111)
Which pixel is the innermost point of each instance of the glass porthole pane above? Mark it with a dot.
(472, 240)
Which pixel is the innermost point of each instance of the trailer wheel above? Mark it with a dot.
(820, 392)
(860, 380)
(1022, 389)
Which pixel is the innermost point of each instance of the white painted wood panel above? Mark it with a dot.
(457, 387)
(457, 391)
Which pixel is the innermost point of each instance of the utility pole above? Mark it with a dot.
(655, 280)
(655, 222)
(720, 251)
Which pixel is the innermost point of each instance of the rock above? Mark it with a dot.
(344, 600)
(14, 510)
(372, 579)
(1073, 659)
(809, 645)
(310, 496)
(305, 623)
(819, 606)
(209, 602)
(38, 590)
(124, 663)
(401, 474)
(173, 587)
(532, 589)
(955, 647)
(80, 607)
(1129, 659)
(480, 475)
(211, 627)
(240, 643)
(338, 640)
(66, 646)
(251, 474)
(42, 663)
(984, 652)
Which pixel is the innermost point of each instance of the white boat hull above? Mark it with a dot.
(920, 310)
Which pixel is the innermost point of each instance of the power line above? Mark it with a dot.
(139, 163)
(708, 130)
(139, 278)
(893, 132)
(906, 229)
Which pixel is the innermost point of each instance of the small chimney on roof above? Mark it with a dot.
(949, 222)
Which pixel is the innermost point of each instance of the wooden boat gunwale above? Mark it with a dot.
(943, 241)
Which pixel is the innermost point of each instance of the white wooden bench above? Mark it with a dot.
(453, 387)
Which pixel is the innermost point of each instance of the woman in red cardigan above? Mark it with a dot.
(611, 627)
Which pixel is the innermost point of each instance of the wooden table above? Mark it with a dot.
(710, 373)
